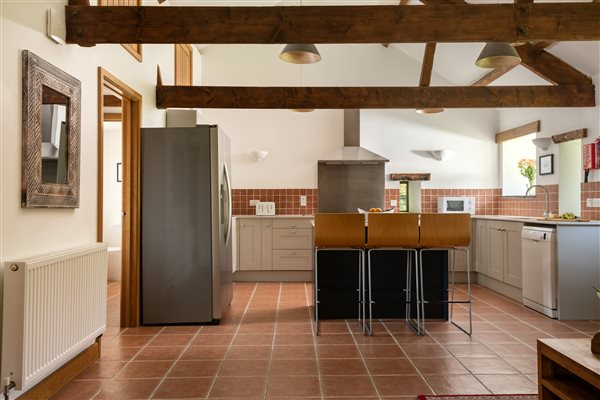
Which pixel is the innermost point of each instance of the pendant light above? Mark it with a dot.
(429, 110)
(497, 55)
(300, 53)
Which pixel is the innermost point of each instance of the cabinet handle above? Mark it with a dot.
(293, 226)
(293, 232)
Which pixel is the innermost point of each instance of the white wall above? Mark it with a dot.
(296, 141)
(112, 190)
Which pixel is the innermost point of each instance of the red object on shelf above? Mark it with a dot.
(591, 155)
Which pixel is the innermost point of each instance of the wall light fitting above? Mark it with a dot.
(260, 155)
(441, 155)
(542, 143)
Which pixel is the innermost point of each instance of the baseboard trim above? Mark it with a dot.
(273, 276)
(65, 374)
(507, 290)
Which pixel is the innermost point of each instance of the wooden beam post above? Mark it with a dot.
(549, 67)
(374, 97)
(334, 24)
(519, 131)
(427, 66)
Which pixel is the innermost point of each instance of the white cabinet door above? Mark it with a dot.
(267, 244)
(513, 272)
(480, 245)
(496, 250)
(249, 244)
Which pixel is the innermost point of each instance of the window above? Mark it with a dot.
(183, 65)
(519, 169)
(134, 49)
(403, 197)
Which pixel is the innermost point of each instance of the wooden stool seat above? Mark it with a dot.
(446, 232)
(394, 232)
(340, 232)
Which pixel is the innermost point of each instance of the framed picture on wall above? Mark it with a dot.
(546, 164)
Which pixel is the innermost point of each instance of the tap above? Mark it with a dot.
(547, 212)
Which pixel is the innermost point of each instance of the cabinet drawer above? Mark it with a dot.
(292, 260)
(292, 239)
(292, 223)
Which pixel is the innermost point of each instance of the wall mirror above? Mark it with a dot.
(51, 135)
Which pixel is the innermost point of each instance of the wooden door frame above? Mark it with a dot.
(130, 246)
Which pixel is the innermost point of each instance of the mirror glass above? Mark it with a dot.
(55, 108)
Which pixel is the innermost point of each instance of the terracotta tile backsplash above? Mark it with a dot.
(590, 190)
(287, 201)
(487, 201)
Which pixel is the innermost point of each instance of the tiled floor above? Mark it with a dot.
(265, 349)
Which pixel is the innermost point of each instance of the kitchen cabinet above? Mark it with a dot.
(274, 244)
(504, 252)
(480, 253)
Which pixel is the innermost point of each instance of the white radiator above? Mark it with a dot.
(54, 307)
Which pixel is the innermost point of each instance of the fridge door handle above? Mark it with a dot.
(228, 205)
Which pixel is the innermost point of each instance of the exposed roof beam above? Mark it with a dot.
(550, 67)
(374, 97)
(493, 75)
(427, 65)
(334, 24)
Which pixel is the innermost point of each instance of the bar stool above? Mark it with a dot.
(334, 232)
(446, 232)
(394, 232)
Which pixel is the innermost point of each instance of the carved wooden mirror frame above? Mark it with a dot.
(38, 73)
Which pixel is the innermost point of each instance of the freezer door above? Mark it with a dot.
(176, 226)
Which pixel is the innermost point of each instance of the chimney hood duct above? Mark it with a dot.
(352, 153)
(351, 177)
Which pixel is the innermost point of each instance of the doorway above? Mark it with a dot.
(119, 124)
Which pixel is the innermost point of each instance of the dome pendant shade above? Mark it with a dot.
(434, 110)
(302, 110)
(496, 55)
(300, 54)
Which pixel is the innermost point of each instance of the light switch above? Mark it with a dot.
(303, 201)
(253, 202)
(595, 202)
(588, 203)
(394, 203)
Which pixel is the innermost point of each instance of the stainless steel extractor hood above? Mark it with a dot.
(352, 177)
(352, 153)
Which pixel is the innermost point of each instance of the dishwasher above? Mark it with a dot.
(539, 269)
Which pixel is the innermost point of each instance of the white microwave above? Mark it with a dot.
(456, 205)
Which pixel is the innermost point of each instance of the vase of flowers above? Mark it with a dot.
(527, 169)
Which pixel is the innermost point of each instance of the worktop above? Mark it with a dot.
(534, 220)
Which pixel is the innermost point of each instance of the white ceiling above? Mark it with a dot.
(454, 62)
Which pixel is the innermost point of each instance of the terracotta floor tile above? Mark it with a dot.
(293, 328)
(463, 384)
(293, 352)
(411, 338)
(390, 366)
(80, 390)
(183, 388)
(376, 338)
(426, 350)
(143, 330)
(222, 329)
(180, 330)
(244, 368)
(204, 353)
(128, 389)
(263, 339)
(293, 367)
(119, 354)
(238, 387)
(296, 386)
(159, 353)
(506, 384)
(469, 350)
(439, 366)
(525, 365)
(102, 370)
(337, 351)
(145, 369)
(334, 339)
(512, 350)
(356, 386)
(381, 351)
(191, 369)
(401, 385)
(171, 340)
(495, 337)
(282, 339)
(330, 327)
(130, 340)
(350, 366)
(454, 338)
(256, 328)
(249, 353)
(478, 365)
(212, 340)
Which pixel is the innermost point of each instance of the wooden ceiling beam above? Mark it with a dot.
(374, 97)
(427, 66)
(527, 129)
(493, 75)
(550, 67)
(334, 24)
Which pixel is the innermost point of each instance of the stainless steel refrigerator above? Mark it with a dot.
(186, 260)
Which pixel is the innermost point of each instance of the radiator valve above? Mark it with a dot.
(7, 385)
